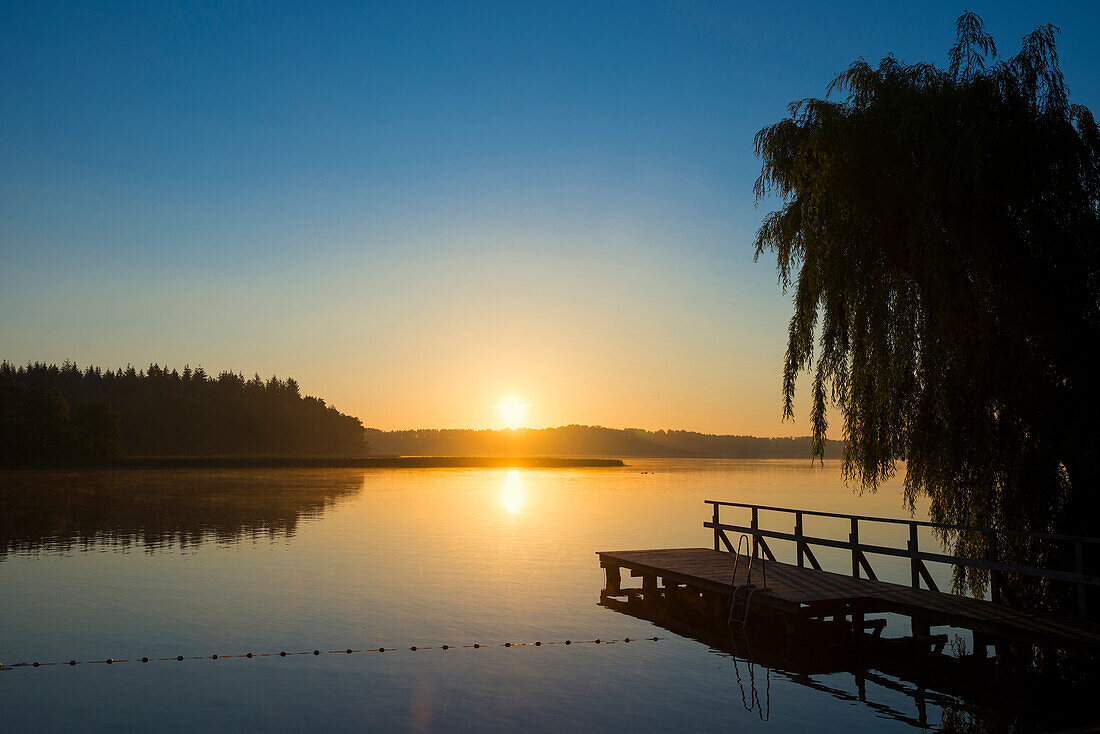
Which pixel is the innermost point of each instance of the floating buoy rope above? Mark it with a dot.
(346, 651)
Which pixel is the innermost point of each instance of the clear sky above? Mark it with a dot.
(422, 210)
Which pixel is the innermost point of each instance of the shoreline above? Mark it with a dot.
(349, 462)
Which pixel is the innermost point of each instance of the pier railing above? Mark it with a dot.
(917, 558)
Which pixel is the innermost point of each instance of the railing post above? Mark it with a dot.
(914, 569)
(755, 526)
(1079, 567)
(798, 535)
(717, 546)
(854, 539)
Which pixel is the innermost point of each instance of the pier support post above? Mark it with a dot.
(614, 579)
(980, 645)
(792, 631)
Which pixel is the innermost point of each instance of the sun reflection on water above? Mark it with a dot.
(512, 494)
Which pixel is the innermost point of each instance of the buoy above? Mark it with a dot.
(179, 658)
(214, 656)
(446, 647)
(145, 660)
(568, 642)
(110, 661)
(248, 654)
(348, 651)
(282, 654)
(72, 662)
(316, 652)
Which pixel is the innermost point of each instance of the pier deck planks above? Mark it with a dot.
(796, 590)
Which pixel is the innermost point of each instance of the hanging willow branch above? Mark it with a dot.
(939, 233)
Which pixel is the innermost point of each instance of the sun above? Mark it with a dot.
(512, 412)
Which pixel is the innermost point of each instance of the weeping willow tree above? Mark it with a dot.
(940, 229)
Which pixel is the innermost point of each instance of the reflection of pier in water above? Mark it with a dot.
(65, 511)
(968, 690)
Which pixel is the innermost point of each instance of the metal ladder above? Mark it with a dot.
(747, 586)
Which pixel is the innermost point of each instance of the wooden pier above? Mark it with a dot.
(798, 595)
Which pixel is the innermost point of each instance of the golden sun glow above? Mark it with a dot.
(512, 494)
(512, 412)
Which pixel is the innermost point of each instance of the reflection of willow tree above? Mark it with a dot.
(60, 511)
(940, 231)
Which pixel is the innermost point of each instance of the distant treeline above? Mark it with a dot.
(61, 414)
(589, 441)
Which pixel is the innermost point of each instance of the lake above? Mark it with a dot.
(159, 563)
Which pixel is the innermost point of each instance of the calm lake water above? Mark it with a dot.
(126, 564)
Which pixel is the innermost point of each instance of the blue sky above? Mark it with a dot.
(421, 209)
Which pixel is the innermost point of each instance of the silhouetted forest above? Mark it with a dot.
(576, 440)
(161, 412)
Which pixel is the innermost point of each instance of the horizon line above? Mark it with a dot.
(596, 426)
